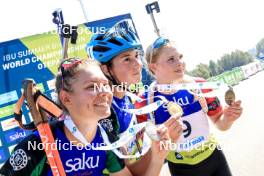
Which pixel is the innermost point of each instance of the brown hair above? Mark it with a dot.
(67, 72)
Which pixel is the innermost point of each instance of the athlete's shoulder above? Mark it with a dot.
(28, 154)
(114, 163)
(111, 125)
(24, 158)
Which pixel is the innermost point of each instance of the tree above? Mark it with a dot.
(260, 47)
(201, 70)
(227, 62)
(235, 59)
(213, 68)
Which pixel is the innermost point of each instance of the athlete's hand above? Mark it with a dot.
(175, 127)
(233, 112)
(159, 152)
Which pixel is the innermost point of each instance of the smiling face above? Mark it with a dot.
(84, 101)
(126, 67)
(168, 66)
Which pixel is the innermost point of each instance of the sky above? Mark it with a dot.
(202, 29)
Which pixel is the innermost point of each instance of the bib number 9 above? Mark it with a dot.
(187, 130)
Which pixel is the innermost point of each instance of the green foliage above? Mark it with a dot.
(260, 47)
(235, 59)
(226, 63)
(213, 68)
(201, 70)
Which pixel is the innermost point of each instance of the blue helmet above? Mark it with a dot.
(104, 47)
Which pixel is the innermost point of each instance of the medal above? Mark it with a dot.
(230, 96)
(151, 131)
(174, 109)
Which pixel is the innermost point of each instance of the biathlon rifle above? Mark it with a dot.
(154, 6)
(65, 31)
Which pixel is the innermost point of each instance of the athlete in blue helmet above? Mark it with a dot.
(119, 51)
(120, 56)
(107, 49)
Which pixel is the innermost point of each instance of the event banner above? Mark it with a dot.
(35, 57)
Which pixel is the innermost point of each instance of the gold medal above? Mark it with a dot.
(174, 109)
(230, 96)
(151, 131)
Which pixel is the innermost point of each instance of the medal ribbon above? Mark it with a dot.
(128, 135)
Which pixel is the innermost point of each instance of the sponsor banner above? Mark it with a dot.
(9, 124)
(37, 57)
(7, 111)
(15, 135)
(40, 86)
(51, 84)
(29, 117)
(8, 97)
(54, 96)
(3, 155)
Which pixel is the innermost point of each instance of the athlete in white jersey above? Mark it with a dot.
(196, 151)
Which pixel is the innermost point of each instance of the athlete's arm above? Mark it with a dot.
(215, 114)
(222, 118)
(140, 166)
(151, 163)
(158, 153)
(175, 128)
(225, 118)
